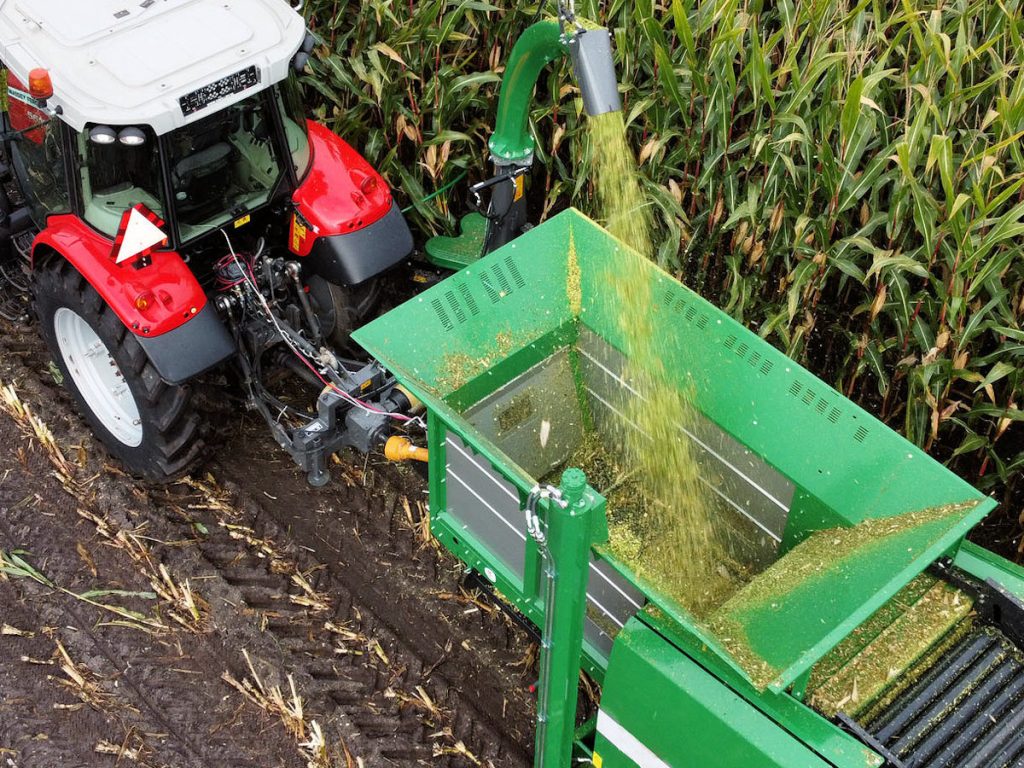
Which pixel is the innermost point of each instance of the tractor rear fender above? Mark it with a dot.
(346, 224)
(162, 303)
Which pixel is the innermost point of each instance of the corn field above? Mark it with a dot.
(846, 178)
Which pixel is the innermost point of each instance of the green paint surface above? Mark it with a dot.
(686, 717)
(802, 606)
(461, 251)
(516, 306)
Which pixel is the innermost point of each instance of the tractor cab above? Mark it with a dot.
(174, 106)
(190, 110)
(198, 177)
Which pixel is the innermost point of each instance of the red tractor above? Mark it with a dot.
(174, 210)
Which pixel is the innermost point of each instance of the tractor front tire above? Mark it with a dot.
(151, 426)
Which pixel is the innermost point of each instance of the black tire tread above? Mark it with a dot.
(172, 442)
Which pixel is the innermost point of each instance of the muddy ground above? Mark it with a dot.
(237, 618)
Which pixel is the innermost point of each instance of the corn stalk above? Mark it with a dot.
(843, 176)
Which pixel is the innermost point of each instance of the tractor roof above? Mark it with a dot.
(162, 63)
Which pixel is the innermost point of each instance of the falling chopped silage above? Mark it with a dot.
(672, 540)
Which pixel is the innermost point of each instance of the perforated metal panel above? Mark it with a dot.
(819, 398)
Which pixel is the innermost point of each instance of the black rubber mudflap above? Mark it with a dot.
(966, 711)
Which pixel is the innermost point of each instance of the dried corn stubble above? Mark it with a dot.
(186, 608)
(79, 680)
(289, 709)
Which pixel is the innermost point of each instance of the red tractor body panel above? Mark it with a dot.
(341, 193)
(150, 301)
(23, 112)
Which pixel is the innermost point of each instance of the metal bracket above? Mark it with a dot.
(476, 199)
(993, 603)
(533, 524)
(848, 724)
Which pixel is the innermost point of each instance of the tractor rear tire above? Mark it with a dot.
(342, 309)
(151, 426)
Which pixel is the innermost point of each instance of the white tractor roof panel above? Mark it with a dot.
(128, 62)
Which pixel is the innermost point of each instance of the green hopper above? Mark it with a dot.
(848, 535)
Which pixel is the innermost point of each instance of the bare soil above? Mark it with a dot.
(248, 607)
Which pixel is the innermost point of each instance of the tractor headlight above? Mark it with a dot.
(132, 137)
(102, 134)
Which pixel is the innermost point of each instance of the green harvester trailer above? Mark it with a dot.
(868, 631)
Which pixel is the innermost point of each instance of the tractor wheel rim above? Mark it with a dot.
(98, 377)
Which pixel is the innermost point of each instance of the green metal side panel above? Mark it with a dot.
(984, 564)
(659, 708)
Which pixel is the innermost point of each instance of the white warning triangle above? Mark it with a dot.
(139, 235)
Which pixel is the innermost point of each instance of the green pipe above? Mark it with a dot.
(568, 536)
(537, 47)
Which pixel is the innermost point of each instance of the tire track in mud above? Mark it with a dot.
(112, 681)
(367, 532)
(335, 589)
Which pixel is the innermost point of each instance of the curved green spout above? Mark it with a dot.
(537, 47)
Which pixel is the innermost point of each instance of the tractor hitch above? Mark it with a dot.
(342, 421)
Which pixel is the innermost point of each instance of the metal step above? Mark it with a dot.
(965, 711)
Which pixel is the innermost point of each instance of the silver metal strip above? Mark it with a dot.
(490, 474)
(486, 470)
(771, 534)
(479, 498)
(609, 371)
(618, 413)
(622, 383)
(627, 743)
(606, 612)
(703, 479)
(616, 587)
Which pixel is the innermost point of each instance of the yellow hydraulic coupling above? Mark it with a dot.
(401, 449)
(415, 404)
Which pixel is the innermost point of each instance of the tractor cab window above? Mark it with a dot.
(222, 166)
(120, 167)
(293, 114)
(38, 157)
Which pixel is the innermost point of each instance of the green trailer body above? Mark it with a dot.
(517, 357)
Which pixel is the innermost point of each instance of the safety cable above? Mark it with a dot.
(250, 279)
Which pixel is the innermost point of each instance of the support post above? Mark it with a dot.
(568, 535)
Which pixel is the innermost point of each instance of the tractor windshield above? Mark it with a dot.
(115, 175)
(223, 166)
